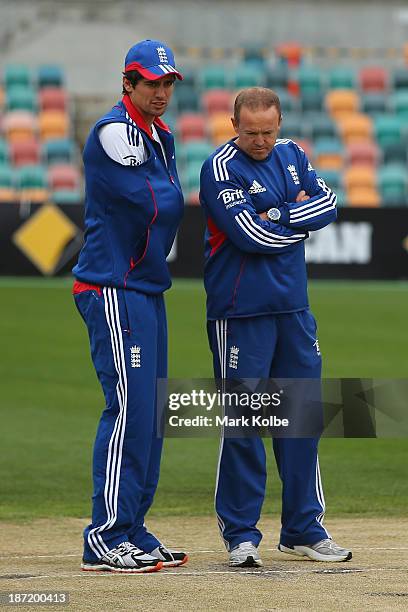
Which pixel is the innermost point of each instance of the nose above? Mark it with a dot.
(161, 91)
(259, 140)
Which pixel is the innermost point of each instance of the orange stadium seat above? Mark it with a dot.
(291, 52)
(220, 127)
(191, 126)
(341, 102)
(53, 124)
(328, 154)
(63, 176)
(52, 98)
(355, 127)
(363, 197)
(364, 152)
(217, 101)
(24, 152)
(373, 78)
(19, 125)
(360, 177)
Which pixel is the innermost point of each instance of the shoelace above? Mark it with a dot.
(126, 547)
(246, 547)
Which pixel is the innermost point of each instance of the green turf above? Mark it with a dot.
(50, 400)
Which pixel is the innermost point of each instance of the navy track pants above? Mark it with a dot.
(272, 346)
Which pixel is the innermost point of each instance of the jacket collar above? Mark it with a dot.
(135, 114)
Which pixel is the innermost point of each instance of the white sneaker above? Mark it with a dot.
(169, 557)
(245, 555)
(124, 558)
(325, 550)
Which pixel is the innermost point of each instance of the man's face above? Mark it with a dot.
(151, 97)
(257, 131)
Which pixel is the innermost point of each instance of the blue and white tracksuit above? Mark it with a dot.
(131, 215)
(256, 284)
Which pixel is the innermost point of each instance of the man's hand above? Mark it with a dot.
(302, 196)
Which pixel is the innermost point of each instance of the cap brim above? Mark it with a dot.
(153, 73)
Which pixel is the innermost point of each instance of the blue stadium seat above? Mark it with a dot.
(50, 76)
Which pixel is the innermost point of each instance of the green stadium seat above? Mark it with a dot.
(342, 78)
(17, 75)
(67, 196)
(400, 78)
(311, 101)
(395, 152)
(21, 98)
(4, 152)
(191, 177)
(58, 151)
(292, 126)
(277, 77)
(213, 77)
(331, 177)
(289, 103)
(393, 185)
(321, 126)
(189, 77)
(374, 103)
(50, 76)
(388, 130)
(6, 176)
(341, 197)
(32, 177)
(245, 76)
(194, 151)
(399, 103)
(186, 98)
(253, 55)
(310, 79)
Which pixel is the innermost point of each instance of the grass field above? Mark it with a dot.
(51, 400)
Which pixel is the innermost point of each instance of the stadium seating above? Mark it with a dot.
(21, 98)
(253, 54)
(289, 103)
(194, 151)
(320, 126)
(362, 152)
(4, 152)
(58, 151)
(66, 196)
(342, 102)
(328, 154)
(32, 183)
(25, 152)
(292, 126)
(399, 103)
(290, 52)
(220, 128)
(360, 176)
(50, 76)
(17, 75)
(217, 101)
(388, 130)
(395, 152)
(374, 103)
(310, 79)
(363, 197)
(311, 101)
(400, 78)
(277, 77)
(191, 126)
(373, 78)
(53, 124)
(52, 98)
(341, 78)
(393, 184)
(245, 76)
(306, 145)
(355, 127)
(186, 98)
(19, 125)
(7, 188)
(213, 77)
(331, 177)
(63, 177)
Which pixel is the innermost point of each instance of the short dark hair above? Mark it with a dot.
(256, 98)
(133, 76)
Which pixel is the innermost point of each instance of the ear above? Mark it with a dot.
(127, 84)
(234, 124)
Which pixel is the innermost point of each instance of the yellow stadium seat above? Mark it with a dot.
(341, 102)
(220, 127)
(360, 177)
(363, 197)
(355, 128)
(53, 124)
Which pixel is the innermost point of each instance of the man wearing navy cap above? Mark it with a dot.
(133, 207)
